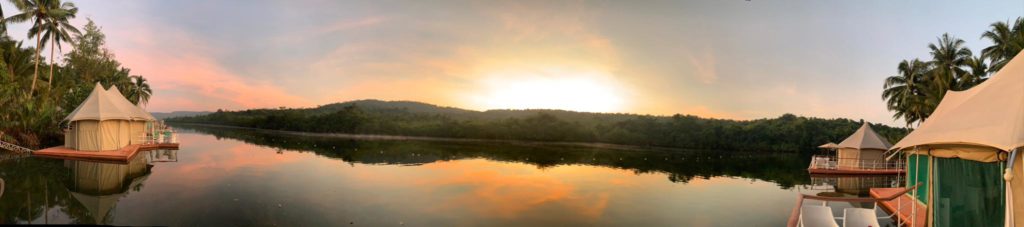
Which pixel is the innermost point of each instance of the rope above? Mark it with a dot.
(14, 148)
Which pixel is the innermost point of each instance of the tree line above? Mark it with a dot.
(785, 133)
(919, 85)
(34, 104)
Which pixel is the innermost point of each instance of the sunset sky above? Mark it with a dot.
(725, 59)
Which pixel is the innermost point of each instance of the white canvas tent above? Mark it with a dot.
(105, 121)
(863, 147)
(966, 150)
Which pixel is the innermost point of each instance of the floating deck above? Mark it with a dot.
(907, 205)
(855, 171)
(116, 156)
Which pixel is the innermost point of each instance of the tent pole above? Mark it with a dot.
(931, 189)
(1008, 179)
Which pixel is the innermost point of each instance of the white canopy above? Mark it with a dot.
(99, 106)
(865, 138)
(104, 105)
(137, 112)
(990, 114)
(829, 145)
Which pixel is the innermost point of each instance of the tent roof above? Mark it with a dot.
(990, 114)
(829, 145)
(137, 112)
(99, 106)
(104, 105)
(865, 138)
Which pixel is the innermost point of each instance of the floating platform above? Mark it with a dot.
(114, 156)
(907, 208)
(855, 171)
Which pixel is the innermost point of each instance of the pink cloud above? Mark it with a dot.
(184, 75)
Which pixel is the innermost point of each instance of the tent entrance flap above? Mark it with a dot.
(968, 193)
(917, 172)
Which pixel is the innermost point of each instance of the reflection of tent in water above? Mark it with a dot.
(99, 186)
(961, 152)
(106, 121)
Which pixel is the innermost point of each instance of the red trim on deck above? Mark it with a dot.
(906, 208)
(855, 171)
(118, 156)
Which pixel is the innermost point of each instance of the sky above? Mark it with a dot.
(722, 59)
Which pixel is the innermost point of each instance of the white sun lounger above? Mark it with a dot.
(859, 217)
(817, 216)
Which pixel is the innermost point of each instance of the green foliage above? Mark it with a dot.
(915, 92)
(786, 133)
(34, 120)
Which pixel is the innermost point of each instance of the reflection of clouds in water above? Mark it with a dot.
(510, 191)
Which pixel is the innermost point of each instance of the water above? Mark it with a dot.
(238, 177)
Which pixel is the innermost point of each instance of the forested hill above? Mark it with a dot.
(785, 133)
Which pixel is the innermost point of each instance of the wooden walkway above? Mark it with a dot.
(907, 205)
(117, 156)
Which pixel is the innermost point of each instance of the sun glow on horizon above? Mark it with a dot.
(553, 89)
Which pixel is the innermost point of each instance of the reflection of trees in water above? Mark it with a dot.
(787, 170)
(85, 192)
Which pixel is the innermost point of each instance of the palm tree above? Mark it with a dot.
(977, 72)
(949, 56)
(39, 12)
(1007, 41)
(140, 90)
(905, 92)
(58, 30)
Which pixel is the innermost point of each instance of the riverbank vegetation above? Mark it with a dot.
(37, 91)
(919, 85)
(785, 133)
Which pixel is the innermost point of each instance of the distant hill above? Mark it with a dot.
(405, 118)
(165, 115)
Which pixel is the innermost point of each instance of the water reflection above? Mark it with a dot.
(680, 166)
(225, 177)
(46, 191)
(99, 186)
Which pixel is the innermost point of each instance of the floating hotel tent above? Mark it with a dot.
(105, 121)
(863, 148)
(961, 152)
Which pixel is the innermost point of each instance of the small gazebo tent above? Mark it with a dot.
(961, 152)
(864, 148)
(103, 122)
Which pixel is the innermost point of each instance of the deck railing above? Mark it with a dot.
(794, 216)
(832, 162)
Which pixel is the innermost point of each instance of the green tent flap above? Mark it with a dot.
(917, 172)
(968, 193)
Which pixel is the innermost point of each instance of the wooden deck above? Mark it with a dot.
(856, 171)
(907, 205)
(116, 156)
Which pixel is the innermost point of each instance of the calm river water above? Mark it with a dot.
(234, 177)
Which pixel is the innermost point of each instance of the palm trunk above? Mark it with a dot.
(36, 74)
(52, 43)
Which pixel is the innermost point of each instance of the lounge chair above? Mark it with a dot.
(817, 216)
(860, 217)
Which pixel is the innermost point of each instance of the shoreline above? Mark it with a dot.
(445, 139)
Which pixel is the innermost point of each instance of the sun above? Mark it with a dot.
(551, 89)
